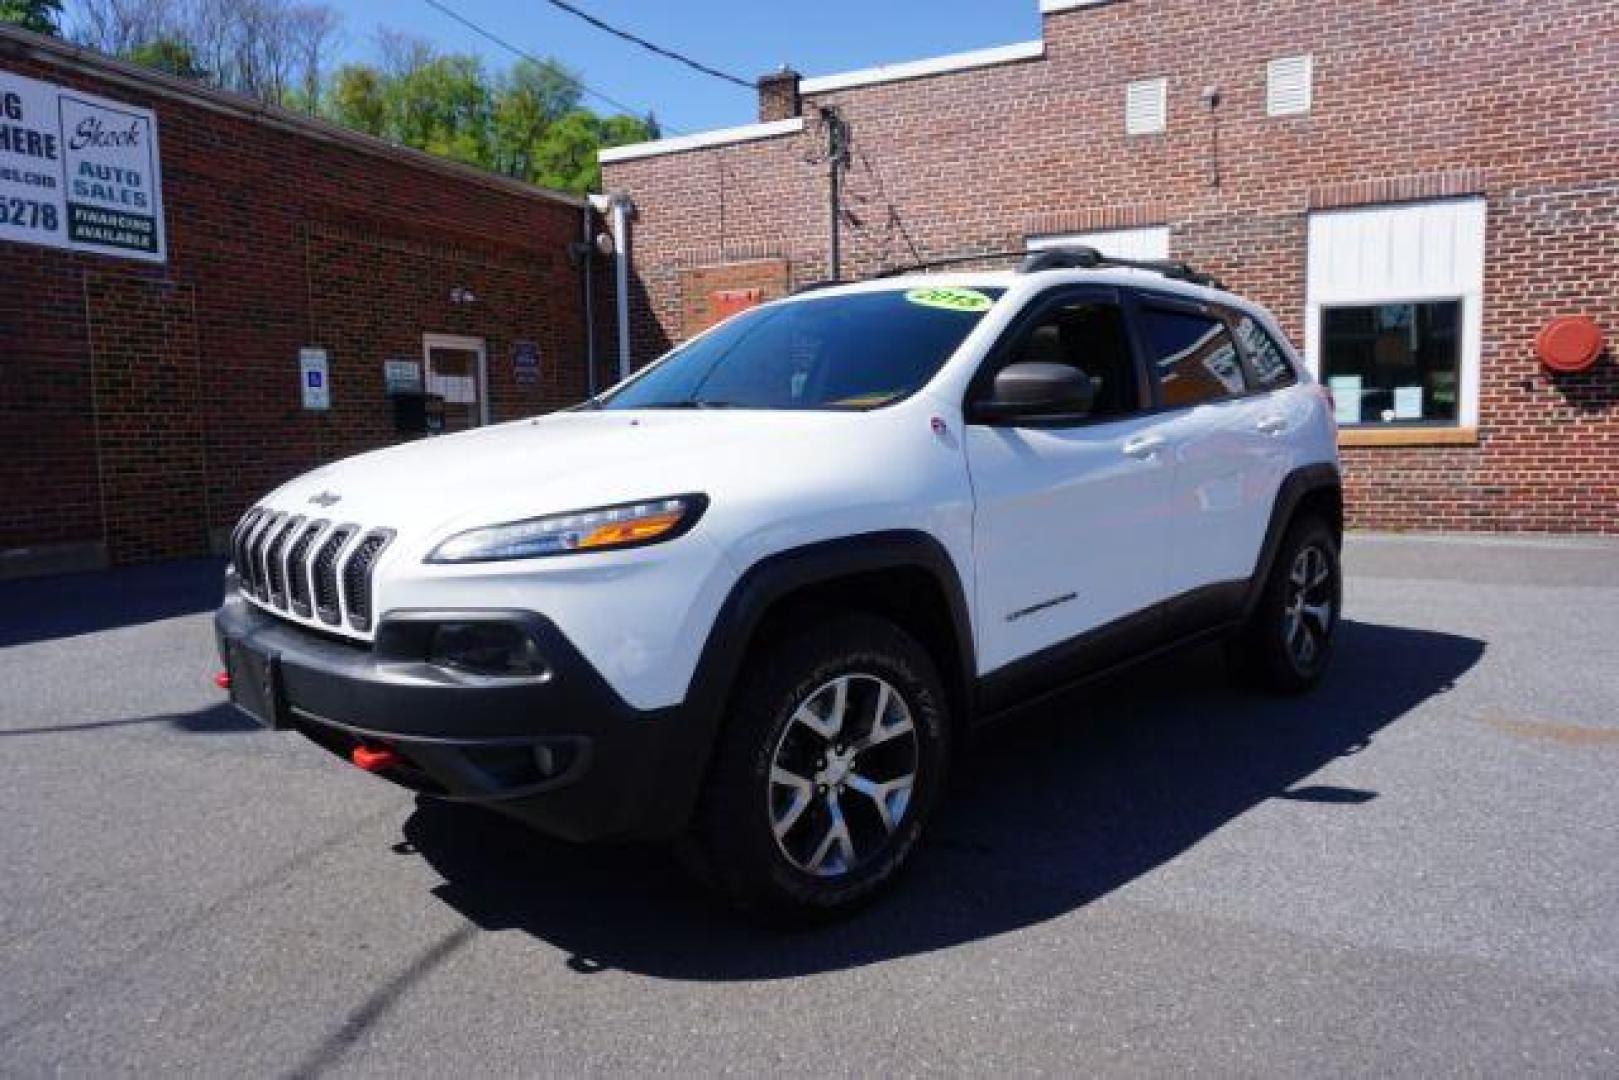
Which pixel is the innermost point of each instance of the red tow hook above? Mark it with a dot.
(222, 679)
(373, 759)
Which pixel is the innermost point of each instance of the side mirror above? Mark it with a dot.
(1038, 391)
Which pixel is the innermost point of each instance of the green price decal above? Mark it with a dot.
(951, 299)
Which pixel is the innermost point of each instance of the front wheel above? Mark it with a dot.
(1288, 641)
(827, 769)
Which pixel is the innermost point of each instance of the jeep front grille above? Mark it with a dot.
(316, 571)
(357, 578)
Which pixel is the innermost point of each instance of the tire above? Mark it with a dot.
(805, 812)
(1287, 645)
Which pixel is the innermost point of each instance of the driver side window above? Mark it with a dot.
(1088, 335)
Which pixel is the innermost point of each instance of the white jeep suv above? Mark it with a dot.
(758, 595)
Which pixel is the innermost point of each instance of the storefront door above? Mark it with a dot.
(456, 369)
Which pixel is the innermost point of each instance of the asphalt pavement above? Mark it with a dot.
(1413, 871)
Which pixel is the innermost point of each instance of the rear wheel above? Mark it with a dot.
(826, 771)
(1288, 641)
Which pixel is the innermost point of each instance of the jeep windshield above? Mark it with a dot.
(850, 351)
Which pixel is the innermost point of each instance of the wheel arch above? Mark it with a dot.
(1309, 490)
(904, 575)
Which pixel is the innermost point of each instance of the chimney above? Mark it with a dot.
(778, 95)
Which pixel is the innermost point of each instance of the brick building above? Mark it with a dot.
(153, 364)
(1416, 189)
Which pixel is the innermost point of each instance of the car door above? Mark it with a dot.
(1222, 443)
(1071, 517)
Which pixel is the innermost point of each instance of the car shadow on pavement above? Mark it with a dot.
(214, 720)
(65, 605)
(1046, 815)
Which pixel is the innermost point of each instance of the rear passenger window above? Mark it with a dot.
(1269, 363)
(1194, 355)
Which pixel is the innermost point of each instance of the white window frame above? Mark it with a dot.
(467, 344)
(1160, 88)
(1363, 280)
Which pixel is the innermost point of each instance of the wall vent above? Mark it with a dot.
(1288, 85)
(1146, 106)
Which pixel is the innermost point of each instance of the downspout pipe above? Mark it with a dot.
(622, 208)
(587, 251)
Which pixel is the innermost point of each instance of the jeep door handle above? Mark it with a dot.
(1143, 447)
(1272, 425)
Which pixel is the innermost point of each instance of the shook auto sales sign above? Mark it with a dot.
(79, 172)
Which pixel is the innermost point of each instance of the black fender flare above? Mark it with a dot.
(778, 576)
(1301, 482)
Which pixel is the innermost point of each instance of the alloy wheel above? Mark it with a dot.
(1307, 616)
(842, 775)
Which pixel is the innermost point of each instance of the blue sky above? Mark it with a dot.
(746, 37)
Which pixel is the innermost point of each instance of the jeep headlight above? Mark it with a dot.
(608, 528)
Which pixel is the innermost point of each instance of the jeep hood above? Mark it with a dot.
(565, 461)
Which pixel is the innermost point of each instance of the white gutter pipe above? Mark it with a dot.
(622, 208)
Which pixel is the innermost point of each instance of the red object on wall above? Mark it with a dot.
(1569, 344)
(723, 303)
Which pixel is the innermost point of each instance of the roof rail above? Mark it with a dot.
(950, 260)
(1069, 257)
(1088, 258)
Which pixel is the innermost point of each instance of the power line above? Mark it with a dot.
(515, 50)
(625, 35)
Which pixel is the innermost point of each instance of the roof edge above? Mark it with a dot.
(702, 140)
(16, 42)
(921, 69)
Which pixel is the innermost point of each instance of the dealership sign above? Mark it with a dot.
(79, 172)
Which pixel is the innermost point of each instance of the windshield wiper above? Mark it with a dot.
(694, 404)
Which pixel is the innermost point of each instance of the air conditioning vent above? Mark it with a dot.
(1288, 85)
(1146, 106)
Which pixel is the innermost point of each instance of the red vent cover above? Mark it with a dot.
(1569, 344)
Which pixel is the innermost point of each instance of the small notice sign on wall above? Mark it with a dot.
(314, 377)
(525, 363)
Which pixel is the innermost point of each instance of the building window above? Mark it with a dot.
(1146, 106)
(1393, 363)
(1289, 85)
(1394, 323)
(1194, 355)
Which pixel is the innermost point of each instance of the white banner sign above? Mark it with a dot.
(79, 172)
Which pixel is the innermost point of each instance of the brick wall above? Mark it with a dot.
(146, 406)
(1514, 101)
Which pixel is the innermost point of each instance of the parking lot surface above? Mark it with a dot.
(1415, 871)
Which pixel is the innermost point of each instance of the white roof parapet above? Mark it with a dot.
(719, 137)
(1051, 7)
(921, 69)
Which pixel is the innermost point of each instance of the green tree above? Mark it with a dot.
(527, 123)
(40, 16)
(358, 99)
(170, 56)
(528, 99)
(443, 107)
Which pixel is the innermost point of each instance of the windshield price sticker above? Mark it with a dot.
(969, 300)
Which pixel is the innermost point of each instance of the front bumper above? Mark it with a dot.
(560, 751)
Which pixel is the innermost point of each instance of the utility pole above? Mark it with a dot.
(837, 158)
